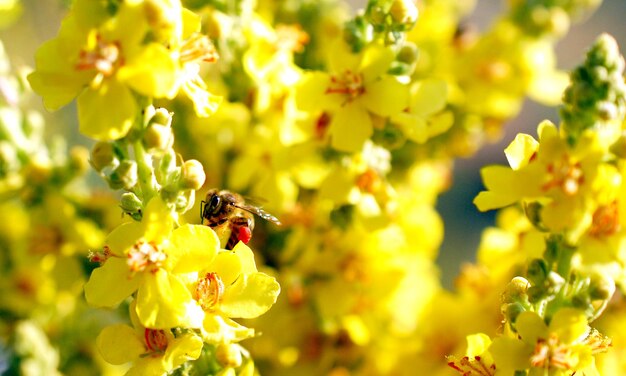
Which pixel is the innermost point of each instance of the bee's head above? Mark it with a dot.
(212, 204)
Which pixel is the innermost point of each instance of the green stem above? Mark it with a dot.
(564, 261)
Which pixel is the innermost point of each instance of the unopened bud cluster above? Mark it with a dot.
(150, 149)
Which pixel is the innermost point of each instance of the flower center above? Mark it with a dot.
(100, 256)
(605, 221)
(369, 181)
(145, 256)
(156, 340)
(551, 353)
(348, 83)
(598, 342)
(209, 291)
(472, 366)
(565, 175)
(198, 48)
(291, 38)
(102, 56)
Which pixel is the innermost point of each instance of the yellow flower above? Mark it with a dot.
(152, 351)
(559, 348)
(569, 182)
(147, 257)
(357, 88)
(231, 287)
(103, 61)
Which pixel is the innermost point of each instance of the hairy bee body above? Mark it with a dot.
(227, 210)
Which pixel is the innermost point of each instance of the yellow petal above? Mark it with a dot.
(246, 257)
(428, 96)
(350, 126)
(192, 248)
(510, 355)
(310, 94)
(519, 152)
(123, 237)
(502, 188)
(182, 349)
(375, 62)
(107, 113)
(156, 79)
(157, 221)
(119, 344)
(569, 324)
(164, 302)
(111, 283)
(531, 327)
(250, 296)
(219, 329)
(227, 265)
(386, 96)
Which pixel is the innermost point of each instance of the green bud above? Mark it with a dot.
(158, 137)
(193, 175)
(161, 117)
(596, 97)
(533, 213)
(536, 294)
(184, 201)
(124, 176)
(168, 171)
(408, 53)
(342, 216)
(602, 287)
(390, 137)
(131, 205)
(357, 33)
(102, 155)
(512, 310)
(516, 290)
(537, 271)
(228, 355)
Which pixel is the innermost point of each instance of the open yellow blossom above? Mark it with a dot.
(146, 257)
(357, 88)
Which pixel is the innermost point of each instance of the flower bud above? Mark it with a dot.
(131, 205)
(404, 12)
(102, 155)
(162, 117)
(601, 287)
(124, 176)
(228, 355)
(537, 271)
(515, 290)
(161, 17)
(533, 213)
(408, 53)
(512, 310)
(184, 201)
(79, 159)
(192, 175)
(158, 137)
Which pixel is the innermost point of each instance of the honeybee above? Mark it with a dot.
(225, 208)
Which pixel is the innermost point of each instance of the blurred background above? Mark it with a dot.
(40, 19)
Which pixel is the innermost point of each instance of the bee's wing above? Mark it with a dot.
(260, 212)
